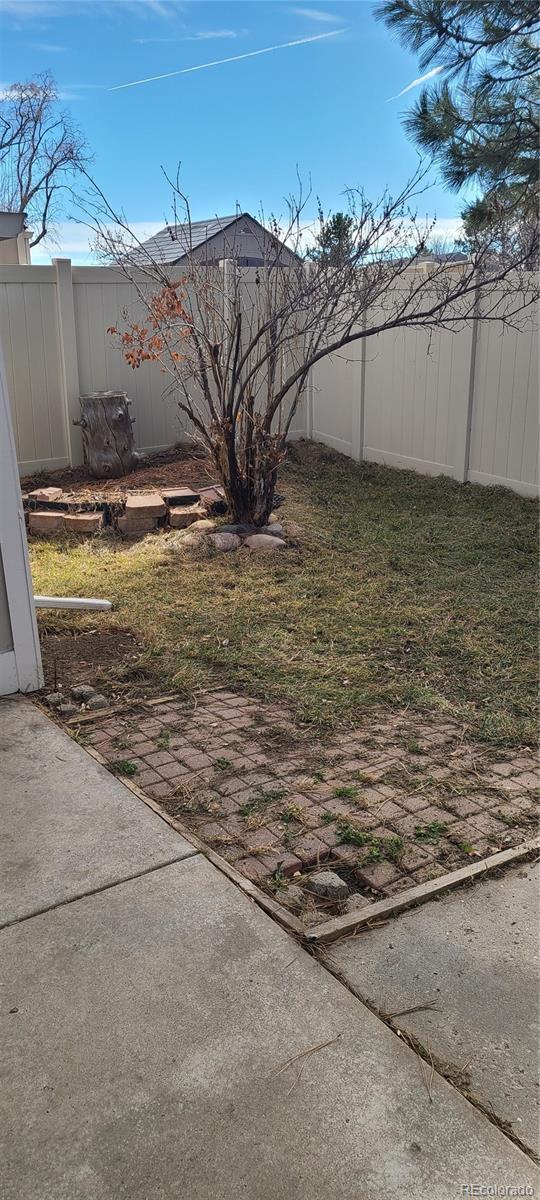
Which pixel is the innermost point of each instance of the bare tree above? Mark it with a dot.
(238, 344)
(41, 152)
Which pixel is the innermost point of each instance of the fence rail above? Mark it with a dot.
(463, 404)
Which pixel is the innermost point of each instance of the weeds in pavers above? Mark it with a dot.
(262, 798)
(346, 792)
(466, 848)
(121, 742)
(162, 742)
(328, 818)
(393, 847)
(222, 764)
(376, 847)
(318, 776)
(413, 747)
(292, 812)
(124, 767)
(361, 777)
(296, 628)
(351, 835)
(509, 819)
(430, 832)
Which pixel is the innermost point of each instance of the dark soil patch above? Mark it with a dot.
(108, 659)
(179, 466)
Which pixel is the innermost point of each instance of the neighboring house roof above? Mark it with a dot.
(11, 224)
(174, 242)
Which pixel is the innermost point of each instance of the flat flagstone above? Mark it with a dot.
(68, 826)
(149, 1043)
(475, 954)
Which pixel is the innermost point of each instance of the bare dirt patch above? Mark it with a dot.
(109, 657)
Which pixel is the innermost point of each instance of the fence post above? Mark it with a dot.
(358, 414)
(462, 444)
(308, 410)
(69, 363)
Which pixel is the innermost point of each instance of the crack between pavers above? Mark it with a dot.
(106, 887)
(432, 1061)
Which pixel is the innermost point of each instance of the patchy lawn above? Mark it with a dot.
(399, 591)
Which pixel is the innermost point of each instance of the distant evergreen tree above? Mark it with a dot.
(334, 242)
(481, 121)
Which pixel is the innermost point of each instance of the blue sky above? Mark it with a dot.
(241, 128)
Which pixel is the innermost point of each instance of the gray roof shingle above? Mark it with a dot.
(171, 243)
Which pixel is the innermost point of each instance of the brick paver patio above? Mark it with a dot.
(395, 802)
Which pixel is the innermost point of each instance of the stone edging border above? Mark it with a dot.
(349, 923)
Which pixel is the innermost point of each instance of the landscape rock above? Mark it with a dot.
(204, 526)
(225, 541)
(180, 495)
(275, 529)
(240, 530)
(97, 701)
(54, 699)
(328, 885)
(67, 710)
(292, 897)
(264, 542)
(45, 494)
(180, 518)
(45, 522)
(134, 524)
(83, 522)
(355, 902)
(145, 504)
(82, 693)
(214, 499)
(185, 540)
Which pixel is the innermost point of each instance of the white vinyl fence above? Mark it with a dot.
(463, 404)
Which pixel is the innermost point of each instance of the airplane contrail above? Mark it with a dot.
(318, 37)
(416, 82)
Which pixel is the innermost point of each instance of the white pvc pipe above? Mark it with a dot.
(71, 602)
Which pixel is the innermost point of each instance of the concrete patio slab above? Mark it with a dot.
(475, 953)
(68, 826)
(146, 1032)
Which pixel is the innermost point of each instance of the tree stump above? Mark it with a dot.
(107, 433)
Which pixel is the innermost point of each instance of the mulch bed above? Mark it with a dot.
(179, 466)
(395, 803)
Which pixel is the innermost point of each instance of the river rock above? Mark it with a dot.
(240, 530)
(292, 897)
(224, 541)
(275, 529)
(264, 542)
(203, 526)
(328, 885)
(355, 902)
(82, 692)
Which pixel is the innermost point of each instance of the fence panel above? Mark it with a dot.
(504, 426)
(337, 401)
(461, 403)
(29, 329)
(100, 295)
(417, 386)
